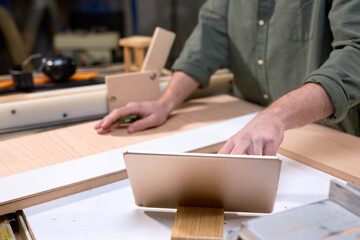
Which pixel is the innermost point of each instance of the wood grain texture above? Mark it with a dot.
(326, 149)
(193, 223)
(69, 143)
(158, 51)
(130, 87)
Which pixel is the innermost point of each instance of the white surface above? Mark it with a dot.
(109, 212)
(32, 182)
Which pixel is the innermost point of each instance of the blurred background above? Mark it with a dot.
(88, 30)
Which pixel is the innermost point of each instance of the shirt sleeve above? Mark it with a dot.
(207, 47)
(340, 74)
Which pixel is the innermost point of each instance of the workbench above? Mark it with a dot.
(105, 208)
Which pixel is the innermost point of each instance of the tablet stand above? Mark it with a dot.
(192, 223)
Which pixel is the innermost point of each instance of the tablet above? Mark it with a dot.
(234, 182)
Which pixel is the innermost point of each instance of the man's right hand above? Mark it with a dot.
(149, 114)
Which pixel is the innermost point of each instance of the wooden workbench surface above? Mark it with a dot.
(326, 149)
(69, 143)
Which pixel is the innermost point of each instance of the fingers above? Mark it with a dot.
(270, 149)
(108, 122)
(142, 124)
(245, 148)
(249, 147)
(227, 148)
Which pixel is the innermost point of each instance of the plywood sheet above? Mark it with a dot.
(331, 151)
(61, 145)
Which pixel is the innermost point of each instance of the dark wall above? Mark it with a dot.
(179, 16)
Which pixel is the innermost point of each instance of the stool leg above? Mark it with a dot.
(139, 57)
(127, 59)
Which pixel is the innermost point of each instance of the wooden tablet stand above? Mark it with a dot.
(192, 223)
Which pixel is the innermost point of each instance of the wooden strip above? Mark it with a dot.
(52, 194)
(213, 148)
(158, 51)
(198, 223)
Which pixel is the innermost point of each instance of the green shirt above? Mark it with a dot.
(276, 46)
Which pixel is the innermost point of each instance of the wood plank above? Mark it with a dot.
(194, 223)
(326, 149)
(158, 51)
(61, 145)
(131, 87)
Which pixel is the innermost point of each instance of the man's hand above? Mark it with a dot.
(150, 114)
(262, 136)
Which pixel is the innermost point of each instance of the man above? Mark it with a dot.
(275, 46)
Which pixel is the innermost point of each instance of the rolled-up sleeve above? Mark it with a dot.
(340, 74)
(207, 47)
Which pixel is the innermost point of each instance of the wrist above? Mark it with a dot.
(277, 116)
(166, 104)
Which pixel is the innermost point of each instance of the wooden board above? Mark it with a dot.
(326, 149)
(143, 86)
(159, 50)
(131, 87)
(61, 145)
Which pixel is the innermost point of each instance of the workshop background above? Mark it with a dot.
(42, 26)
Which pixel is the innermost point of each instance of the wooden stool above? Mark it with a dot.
(138, 43)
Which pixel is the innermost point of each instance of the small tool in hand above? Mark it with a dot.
(123, 119)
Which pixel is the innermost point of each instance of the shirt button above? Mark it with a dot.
(265, 96)
(260, 62)
(261, 22)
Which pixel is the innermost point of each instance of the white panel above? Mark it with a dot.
(109, 212)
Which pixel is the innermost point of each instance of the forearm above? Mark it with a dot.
(264, 134)
(304, 105)
(179, 88)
